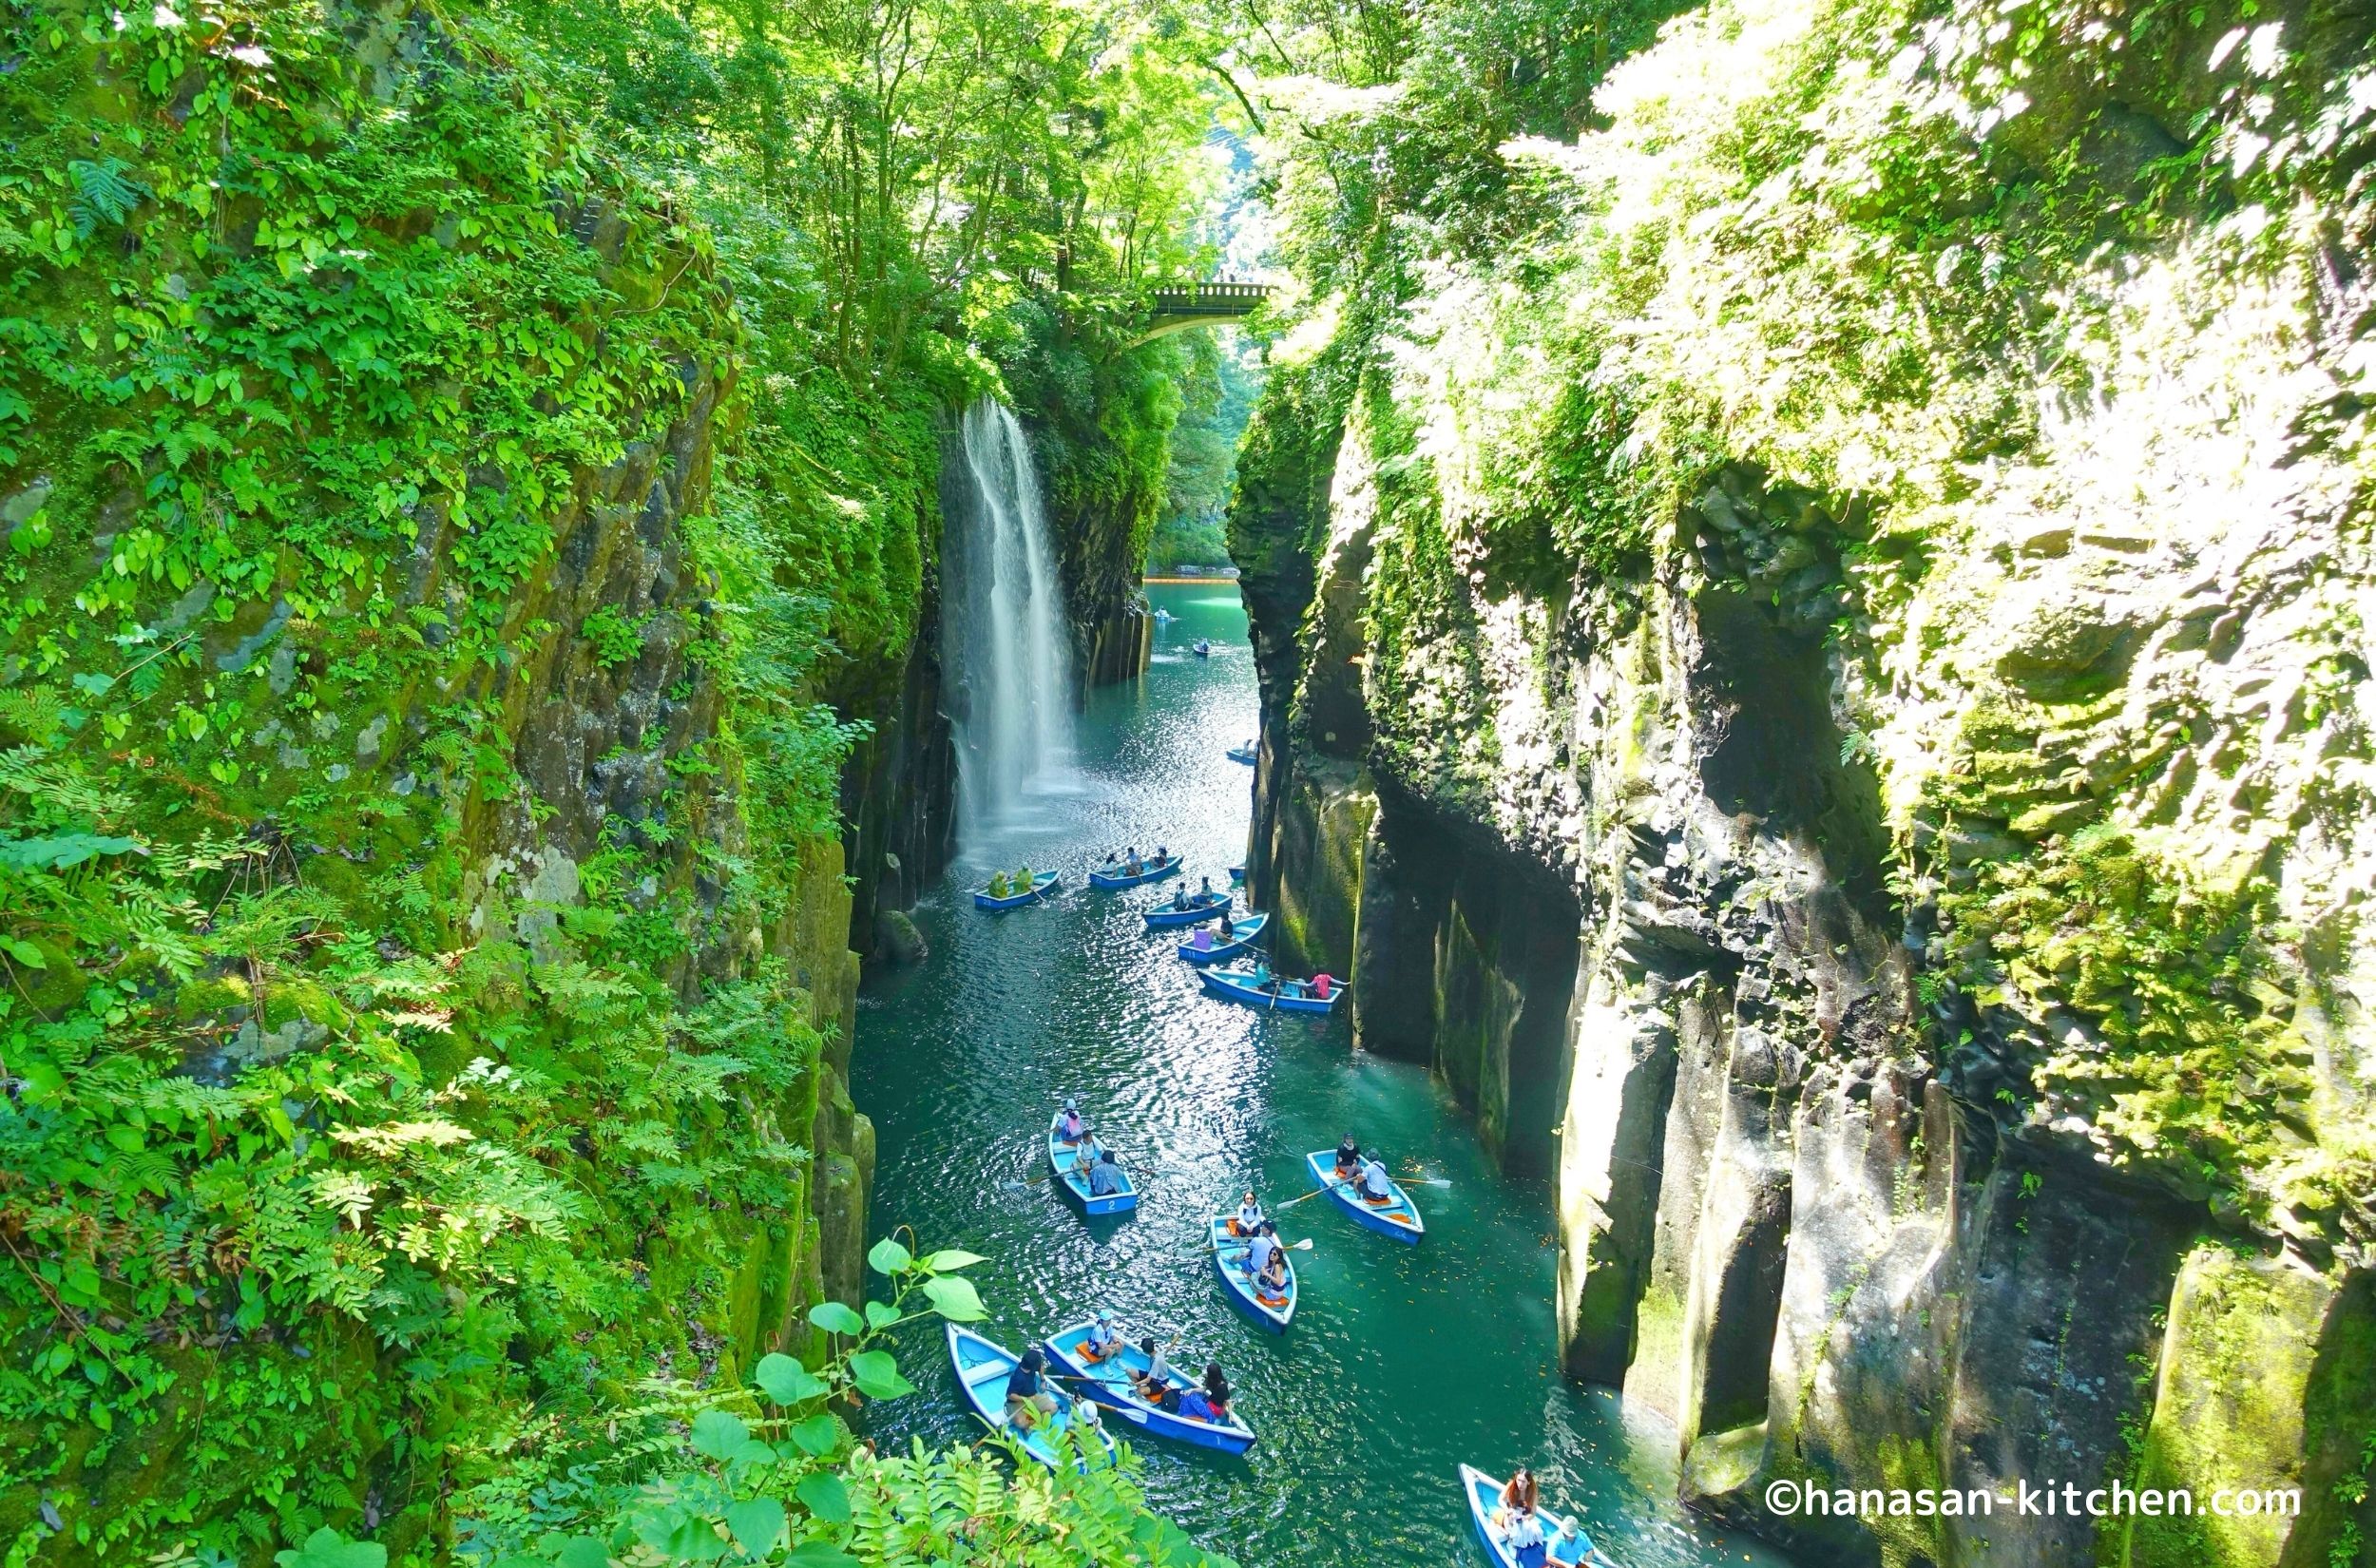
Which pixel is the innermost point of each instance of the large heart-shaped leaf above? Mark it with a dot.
(824, 1495)
(326, 1548)
(786, 1380)
(819, 1554)
(693, 1540)
(954, 1297)
(881, 1314)
(834, 1318)
(877, 1375)
(817, 1435)
(952, 1257)
(757, 1524)
(888, 1256)
(719, 1433)
(583, 1552)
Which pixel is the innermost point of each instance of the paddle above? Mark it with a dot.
(1303, 1246)
(1333, 1185)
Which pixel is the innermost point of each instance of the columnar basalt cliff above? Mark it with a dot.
(1894, 842)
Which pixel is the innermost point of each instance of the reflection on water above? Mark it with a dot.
(1403, 1361)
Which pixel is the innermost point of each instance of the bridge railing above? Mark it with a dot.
(1211, 299)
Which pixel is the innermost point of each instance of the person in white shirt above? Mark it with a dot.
(1258, 1255)
(1376, 1186)
(1104, 1341)
(1151, 1383)
(1248, 1217)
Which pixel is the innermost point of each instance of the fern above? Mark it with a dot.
(104, 194)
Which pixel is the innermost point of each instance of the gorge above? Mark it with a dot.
(1807, 567)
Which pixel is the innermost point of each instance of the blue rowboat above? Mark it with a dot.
(1398, 1216)
(1238, 986)
(1202, 648)
(1065, 1158)
(1108, 1383)
(981, 1373)
(1229, 1261)
(1040, 886)
(1247, 929)
(1237, 873)
(1243, 754)
(1568, 1542)
(1202, 907)
(1116, 879)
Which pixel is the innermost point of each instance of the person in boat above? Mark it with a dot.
(1205, 893)
(1374, 1185)
(1216, 1389)
(1248, 1219)
(1150, 1384)
(1163, 856)
(1070, 1128)
(1179, 898)
(1228, 927)
(1029, 1400)
(1022, 880)
(1518, 1492)
(1322, 984)
(1270, 1287)
(998, 884)
(1260, 1251)
(1132, 865)
(1105, 1178)
(1523, 1534)
(1347, 1158)
(1193, 1406)
(1103, 1342)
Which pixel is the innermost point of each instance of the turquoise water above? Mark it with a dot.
(1402, 1362)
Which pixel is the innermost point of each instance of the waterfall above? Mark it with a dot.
(1003, 628)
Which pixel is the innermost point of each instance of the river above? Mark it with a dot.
(1402, 1362)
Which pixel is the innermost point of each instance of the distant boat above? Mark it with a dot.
(1569, 1544)
(1247, 754)
(983, 1368)
(1229, 1261)
(1042, 883)
(1245, 931)
(1202, 648)
(1397, 1218)
(1200, 907)
(1238, 986)
(1237, 873)
(1108, 1383)
(1065, 1158)
(1116, 878)
(1164, 616)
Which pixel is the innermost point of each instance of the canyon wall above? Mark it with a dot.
(1894, 846)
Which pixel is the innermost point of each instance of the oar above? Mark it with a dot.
(1303, 1246)
(1333, 1186)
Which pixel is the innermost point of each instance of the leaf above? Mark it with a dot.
(719, 1433)
(834, 1318)
(819, 1554)
(952, 1257)
(326, 1548)
(826, 1497)
(786, 1380)
(693, 1540)
(817, 1435)
(954, 1297)
(583, 1552)
(23, 952)
(877, 1375)
(889, 1257)
(56, 854)
(757, 1524)
(881, 1314)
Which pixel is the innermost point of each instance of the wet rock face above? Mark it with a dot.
(1619, 870)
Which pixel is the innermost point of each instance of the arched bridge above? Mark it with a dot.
(1201, 305)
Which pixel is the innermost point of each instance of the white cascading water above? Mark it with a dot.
(1004, 629)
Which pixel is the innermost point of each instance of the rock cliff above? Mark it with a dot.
(1879, 810)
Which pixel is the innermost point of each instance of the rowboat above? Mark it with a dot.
(1238, 986)
(1397, 1218)
(1247, 929)
(1243, 754)
(1040, 886)
(1108, 1383)
(1116, 878)
(981, 1371)
(1237, 873)
(1202, 907)
(1065, 1158)
(1229, 1261)
(1202, 648)
(1569, 1544)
